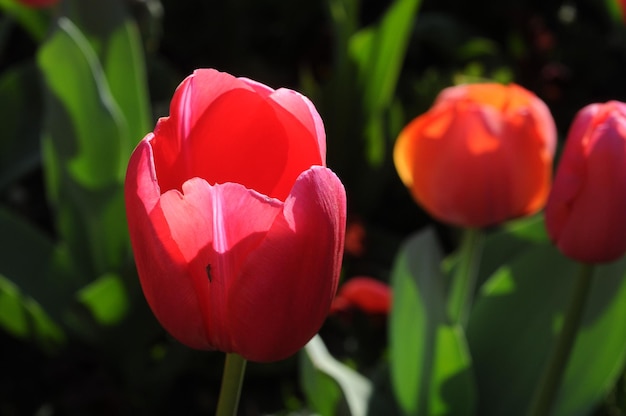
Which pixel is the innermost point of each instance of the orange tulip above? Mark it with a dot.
(481, 155)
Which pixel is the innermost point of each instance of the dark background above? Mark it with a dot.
(570, 53)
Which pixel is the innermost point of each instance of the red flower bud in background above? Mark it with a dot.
(38, 3)
(236, 224)
(481, 155)
(586, 211)
(365, 293)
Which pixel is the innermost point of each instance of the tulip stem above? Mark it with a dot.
(464, 279)
(553, 373)
(232, 379)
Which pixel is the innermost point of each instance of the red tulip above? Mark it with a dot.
(586, 211)
(236, 224)
(356, 235)
(38, 3)
(481, 155)
(364, 293)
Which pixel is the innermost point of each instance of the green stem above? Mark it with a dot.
(232, 379)
(464, 280)
(553, 374)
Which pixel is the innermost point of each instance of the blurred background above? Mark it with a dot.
(76, 336)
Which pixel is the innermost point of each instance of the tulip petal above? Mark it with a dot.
(191, 100)
(603, 233)
(193, 242)
(444, 150)
(481, 155)
(266, 150)
(258, 87)
(284, 292)
(227, 129)
(216, 228)
(403, 150)
(527, 158)
(196, 93)
(585, 212)
(298, 106)
(157, 257)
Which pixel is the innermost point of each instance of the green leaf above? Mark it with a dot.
(508, 242)
(379, 53)
(35, 21)
(85, 148)
(511, 326)
(106, 298)
(430, 366)
(514, 324)
(600, 351)
(115, 40)
(321, 391)
(83, 119)
(35, 299)
(356, 388)
(20, 106)
(614, 10)
(24, 318)
(29, 258)
(126, 73)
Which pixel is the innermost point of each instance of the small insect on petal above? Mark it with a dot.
(208, 272)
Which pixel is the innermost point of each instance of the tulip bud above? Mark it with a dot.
(586, 211)
(364, 293)
(481, 155)
(236, 224)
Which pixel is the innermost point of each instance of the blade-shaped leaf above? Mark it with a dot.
(510, 241)
(115, 40)
(35, 21)
(430, 364)
(379, 53)
(24, 318)
(106, 298)
(83, 119)
(600, 351)
(321, 391)
(356, 388)
(125, 71)
(516, 319)
(84, 151)
(35, 300)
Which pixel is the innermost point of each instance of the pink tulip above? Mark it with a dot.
(236, 224)
(586, 209)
